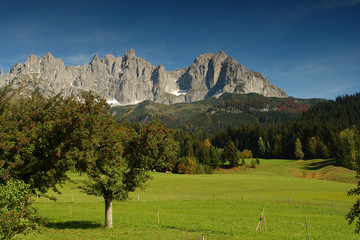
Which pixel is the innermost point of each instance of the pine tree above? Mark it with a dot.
(298, 149)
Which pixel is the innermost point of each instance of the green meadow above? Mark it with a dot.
(223, 205)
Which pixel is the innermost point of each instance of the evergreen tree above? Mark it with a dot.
(311, 147)
(346, 152)
(231, 155)
(261, 147)
(298, 149)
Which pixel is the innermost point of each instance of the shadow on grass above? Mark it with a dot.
(320, 164)
(73, 225)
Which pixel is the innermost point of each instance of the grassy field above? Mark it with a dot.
(224, 205)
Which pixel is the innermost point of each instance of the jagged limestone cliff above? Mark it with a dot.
(131, 79)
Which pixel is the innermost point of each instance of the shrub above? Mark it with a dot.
(187, 166)
(253, 163)
(16, 213)
(243, 163)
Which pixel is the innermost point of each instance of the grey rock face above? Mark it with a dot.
(131, 79)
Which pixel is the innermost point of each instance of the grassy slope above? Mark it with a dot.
(223, 206)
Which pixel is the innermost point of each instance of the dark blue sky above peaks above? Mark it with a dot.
(308, 48)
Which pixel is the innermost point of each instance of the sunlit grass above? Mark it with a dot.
(222, 206)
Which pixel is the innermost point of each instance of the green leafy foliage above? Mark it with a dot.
(33, 133)
(42, 138)
(352, 154)
(17, 215)
(347, 148)
(298, 149)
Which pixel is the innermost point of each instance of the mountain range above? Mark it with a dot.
(130, 79)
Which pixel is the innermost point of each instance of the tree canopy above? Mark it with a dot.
(43, 138)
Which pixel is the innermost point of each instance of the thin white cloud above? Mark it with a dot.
(326, 76)
(324, 89)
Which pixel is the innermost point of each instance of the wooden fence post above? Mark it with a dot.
(70, 210)
(307, 229)
(158, 217)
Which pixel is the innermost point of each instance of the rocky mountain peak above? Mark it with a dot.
(131, 79)
(130, 53)
(33, 63)
(49, 56)
(108, 59)
(95, 59)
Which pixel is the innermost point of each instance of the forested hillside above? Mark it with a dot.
(227, 130)
(325, 130)
(213, 114)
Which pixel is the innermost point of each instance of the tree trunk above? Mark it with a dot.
(108, 213)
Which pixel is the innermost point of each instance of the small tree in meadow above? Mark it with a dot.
(116, 158)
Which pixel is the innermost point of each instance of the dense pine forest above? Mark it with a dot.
(328, 129)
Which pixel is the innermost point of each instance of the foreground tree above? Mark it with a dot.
(116, 158)
(32, 137)
(41, 139)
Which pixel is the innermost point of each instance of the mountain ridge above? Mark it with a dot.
(130, 79)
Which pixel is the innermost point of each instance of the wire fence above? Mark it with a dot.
(213, 196)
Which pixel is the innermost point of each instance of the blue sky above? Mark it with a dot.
(308, 48)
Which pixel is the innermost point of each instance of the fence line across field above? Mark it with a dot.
(241, 196)
(213, 196)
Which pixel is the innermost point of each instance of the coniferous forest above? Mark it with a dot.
(329, 129)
